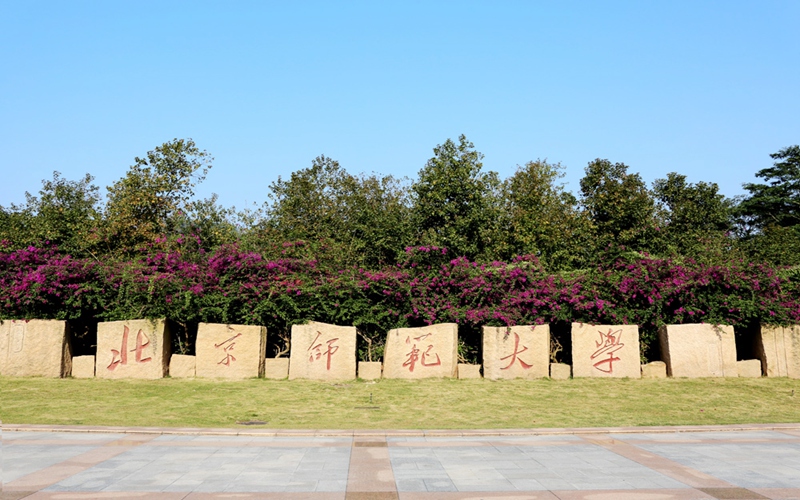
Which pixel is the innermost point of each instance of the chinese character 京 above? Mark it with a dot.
(316, 350)
(227, 347)
(121, 357)
(414, 355)
(514, 354)
(609, 344)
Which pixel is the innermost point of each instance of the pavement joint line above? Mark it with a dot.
(401, 432)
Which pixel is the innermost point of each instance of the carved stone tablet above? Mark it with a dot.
(516, 352)
(605, 351)
(323, 352)
(132, 349)
(778, 348)
(230, 351)
(698, 350)
(426, 352)
(35, 348)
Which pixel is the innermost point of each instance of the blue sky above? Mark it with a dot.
(706, 89)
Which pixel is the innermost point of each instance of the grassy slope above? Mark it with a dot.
(426, 404)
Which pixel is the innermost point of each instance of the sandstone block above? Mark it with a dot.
(369, 370)
(182, 366)
(323, 352)
(605, 351)
(516, 352)
(698, 350)
(778, 348)
(426, 352)
(133, 349)
(560, 371)
(35, 348)
(469, 371)
(654, 369)
(276, 368)
(83, 367)
(750, 368)
(230, 351)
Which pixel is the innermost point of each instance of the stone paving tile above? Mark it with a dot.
(19, 460)
(520, 468)
(209, 469)
(747, 465)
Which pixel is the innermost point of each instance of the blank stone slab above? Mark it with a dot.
(35, 348)
(276, 368)
(778, 348)
(83, 367)
(560, 371)
(426, 352)
(230, 351)
(182, 366)
(369, 370)
(698, 350)
(654, 369)
(132, 349)
(605, 351)
(516, 352)
(323, 352)
(750, 368)
(466, 370)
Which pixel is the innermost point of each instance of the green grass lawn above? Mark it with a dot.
(398, 404)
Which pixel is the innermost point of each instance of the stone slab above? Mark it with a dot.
(605, 351)
(750, 368)
(320, 351)
(521, 351)
(369, 370)
(560, 371)
(469, 371)
(35, 348)
(83, 367)
(698, 350)
(133, 349)
(778, 347)
(182, 366)
(230, 351)
(654, 369)
(425, 352)
(276, 368)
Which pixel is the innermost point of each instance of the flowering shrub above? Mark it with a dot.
(231, 285)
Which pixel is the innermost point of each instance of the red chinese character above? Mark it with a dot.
(317, 353)
(414, 354)
(227, 348)
(609, 344)
(122, 354)
(513, 355)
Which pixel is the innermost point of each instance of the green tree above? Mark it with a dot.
(361, 219)
(64, 214)
(453, 200)
(776, 202)
(543, 216)
(694, 214)
(619, 205)
(150, 199)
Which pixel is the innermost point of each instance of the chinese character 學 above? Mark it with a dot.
(227, 347)
(514, 354)
(121, 357)
(609, 344)
(316, 350)
(414, 355)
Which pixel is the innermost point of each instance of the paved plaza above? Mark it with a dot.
(724, 462)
